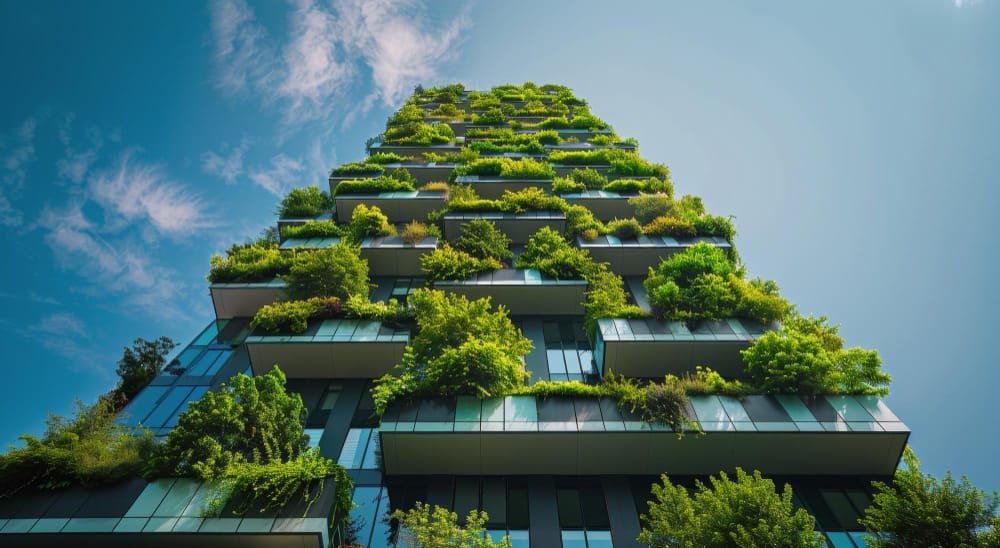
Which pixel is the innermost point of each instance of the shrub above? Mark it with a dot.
(314, 229)
(91, 448)
(565, 185)
(715, 225)
(530, 199)
(549, 252)
(806, 356)
(591, 178)
(294, 316)
(306, 201)
(759, 298)
(447, 110)
(747, 511)
(606, 298)
(257, 261)
(385, 183)
(599, 157)
(580, 220)
(391, 311)
(387, 158)
(424, 527)
(547, 137)
(917, 509)
(481, 238)
(634, 166)
(526, 168)
(358, 168)
(407, 127)
(625, 229)
(436, 186)
(369, 221)
(492, 117)
(670, 226)
(448, 263)
(414, 232)
(630, 186)
(337, 271)
(481, 367)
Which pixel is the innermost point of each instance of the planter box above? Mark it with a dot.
(425, 172)
(636, 257)
(565, 133)
(518, 227)
(590, 146)
(413, 150)
(399, 207)
(286, 222)
(604, 205)
(525, 292)
(243, 300)
(522, 435)
(330, 349)
(492, 188)
(651, 348)
(391, 256)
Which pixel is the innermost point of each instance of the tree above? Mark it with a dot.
(424, 527)
(745, 512)
(337, 271)
(253, 419)
(140, 364)
(918, 510)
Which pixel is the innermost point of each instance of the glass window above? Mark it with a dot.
(353, 453)
(373, 453)
(599, 539)
(142, 404)
(314, 436)
(195, 395)
(363, 515)
(517, 506)
(570, 513)
(167, 406)
(330, 397)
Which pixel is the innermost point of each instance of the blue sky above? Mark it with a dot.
(856, 144)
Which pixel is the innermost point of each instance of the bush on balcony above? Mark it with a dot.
(407, 127)
(492, 117)
(481, 238)
(314, 229)
(306, 201)
(745, 511)
(651, 206)
(422, 526)
(448, 263)
(399, 180)
(806, 356)
(293, 316)
(650, 185)
(358, 168)
(703, 283)
(414, 232)
(368, 221)
(507, 168)
(256, 261)
(634, 166)
(460, 347)
(336, 271)
(447, 110)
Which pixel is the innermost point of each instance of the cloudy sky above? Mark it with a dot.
(856, 144)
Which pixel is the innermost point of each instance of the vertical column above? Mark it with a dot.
(622, 513)
(335, 431)
(544, 511)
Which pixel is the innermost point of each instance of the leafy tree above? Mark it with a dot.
(90, 448)
(918, 511)
(337, 271)
(139, 364)
(253, 419)
(806, 356)
(481, 238)
(368, 221)
(424, 527)
(306, 201)
(745, 512)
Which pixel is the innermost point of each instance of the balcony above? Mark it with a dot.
(391, 256)
(416, 150)
(636, 256)
(524, 292)
(786, 435)
(243, 300)
(648, 347)
(330, 349)
(399, 207)
(604, 205)
(492, 188)
(285, 222)
(517, 226)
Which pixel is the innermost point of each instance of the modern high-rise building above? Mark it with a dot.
(553, 467)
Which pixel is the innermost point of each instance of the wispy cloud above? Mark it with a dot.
(280, 177)
(138, 191)
(226, 164)
(963, 3)
(327, 50)
(17, 152)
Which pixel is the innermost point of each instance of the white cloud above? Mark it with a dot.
(136, 191)
(17, 151)
(243, 60)
(227, 164)
(280, 177)
(75, 165)
(963, 3)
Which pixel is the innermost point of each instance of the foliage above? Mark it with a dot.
(624, 229)
(436, 186)
(294, 316)
(448, 263)
(399, 180)
(634, 166)
(358, 168)
(391, 311)
(665, 225)
(918, 510)
(387, 158)
(591, 178)
(649, 185)
(447, 110)
(746, 512)
(461, 344)
(549, 252)
(651, 206)
(424, 527)
(90, 448)
(606, 298)
(806, 356)
(492, 117)
(481, 238)
(407, 127)
(508, 168)
(580, 220)
(255, 261)
(703, 283)
(566, 185)
(139, 364)
(414, 232)
(599, 157)
(336, 271)
(527, 199)
(313, 229)
(306, 201)
(368, 221)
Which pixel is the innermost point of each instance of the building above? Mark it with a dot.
(557, 470)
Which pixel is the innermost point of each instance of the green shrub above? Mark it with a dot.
(625, 229)
(294, 316)
(606, 298)
(670, 226)
(447, 110)
(448, 263)
(314, 229)
(530, 199)
(547, 137)
(591, 178)
(650, 186)
(368, 221)
(565, 185)
(435, 186)
(492, 117)
(414, 232)
(375, 185)
(306, 201)
(747, 511)
(258, 261)
(550, 253)
(391, 311)
(509, 168)
(806, 356)
(650, 206)
(422, 526)
(715, 225)
(336, 271)
(387, 158)
(481, 238)
(599, 157)
(358, 168)
(602, 139)
(634, 166)
(580, 220)
(407, 127)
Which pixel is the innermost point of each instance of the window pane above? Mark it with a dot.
(574, 539)
(166, 408)
(517, 506)
(570, 514)
(557, 365)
